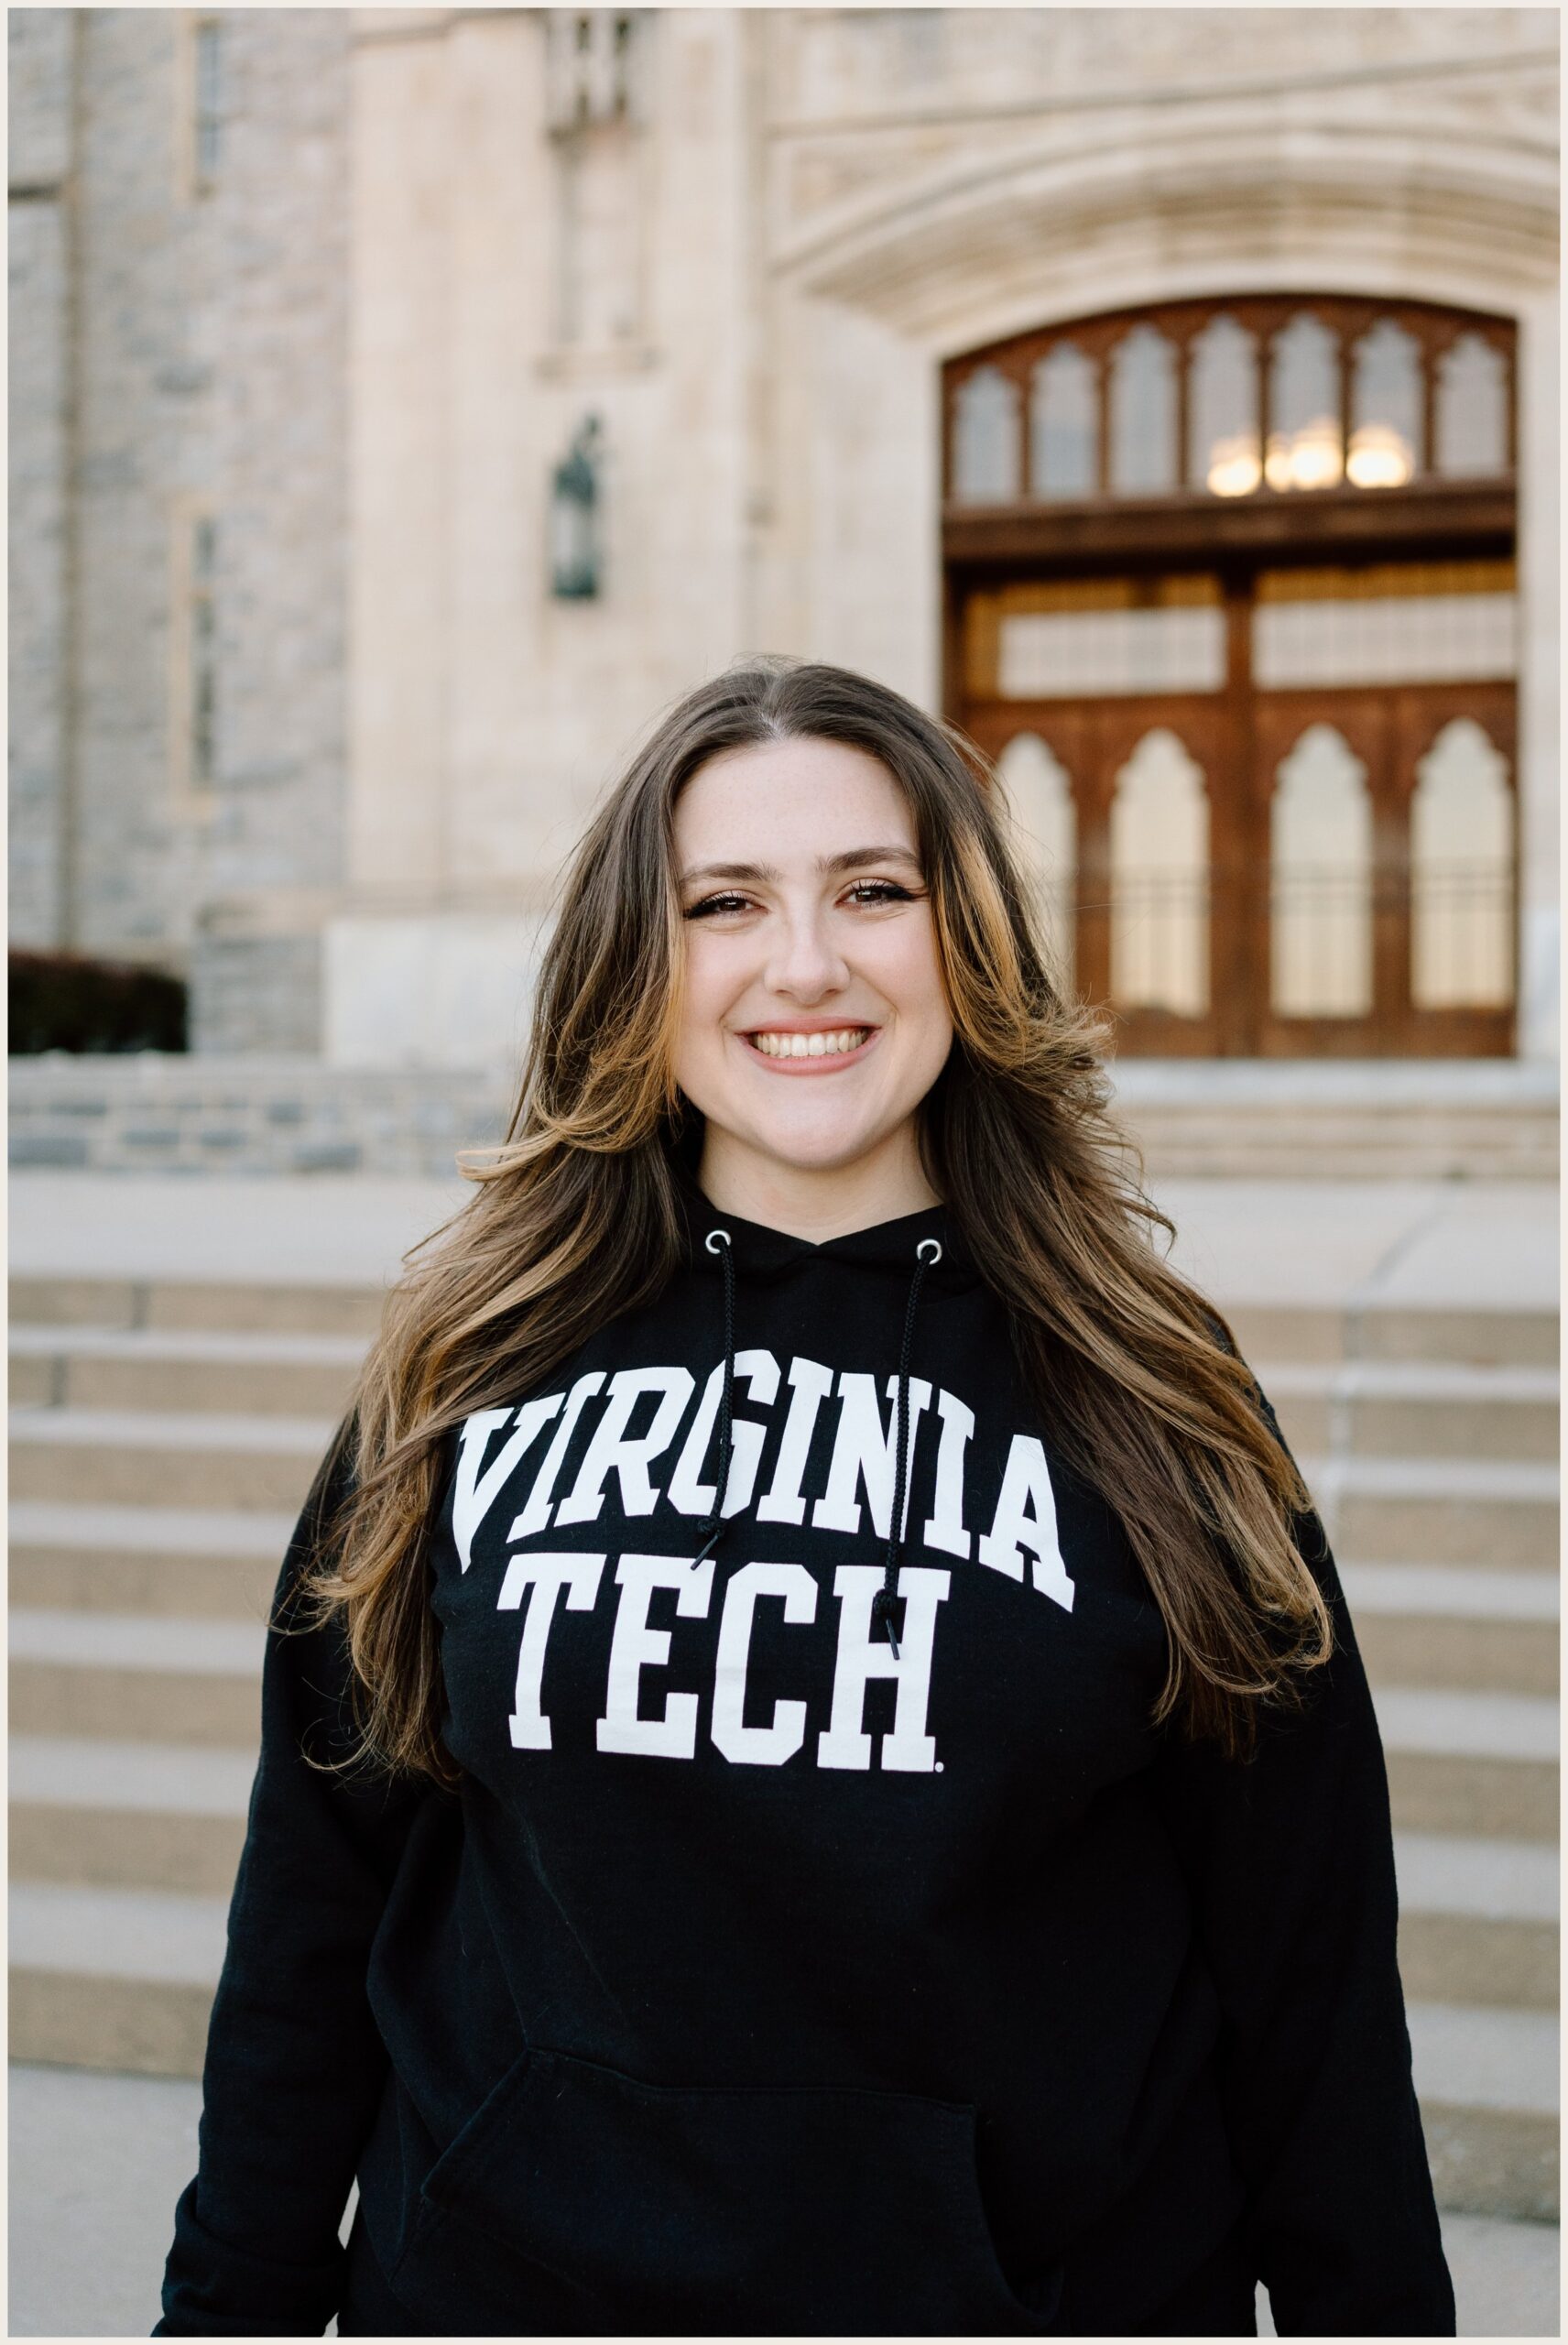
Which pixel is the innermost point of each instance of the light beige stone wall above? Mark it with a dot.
(369, 346)
(486, 715)
(833, 201)
(939, 180)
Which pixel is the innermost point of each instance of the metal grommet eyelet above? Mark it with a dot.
(715, 1238)
(930, 1246)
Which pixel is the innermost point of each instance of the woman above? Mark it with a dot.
(816, 1776)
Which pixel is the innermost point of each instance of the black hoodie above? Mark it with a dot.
(759, 1981)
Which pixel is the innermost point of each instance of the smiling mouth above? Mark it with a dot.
(835, 1042)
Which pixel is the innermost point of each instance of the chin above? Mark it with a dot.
(818, 1151)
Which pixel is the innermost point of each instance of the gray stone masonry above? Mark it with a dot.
(38, 44)
(1486, 1120)
(148, 1113)
(179, 348)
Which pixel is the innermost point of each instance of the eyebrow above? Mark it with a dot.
(853, 858)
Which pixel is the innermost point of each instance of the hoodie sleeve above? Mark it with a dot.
(1289, 1856)
(294, 2062)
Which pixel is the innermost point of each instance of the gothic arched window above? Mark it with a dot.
(1358, 395)
(1472, 409)
(1065, 425)
(1143, 414)
(1230, 591)
(1223, 450)
(985, 439)
(1385, 408)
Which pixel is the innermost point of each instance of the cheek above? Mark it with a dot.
(709, 984)
(911, 978)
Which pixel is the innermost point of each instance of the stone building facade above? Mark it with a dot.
(308, 307)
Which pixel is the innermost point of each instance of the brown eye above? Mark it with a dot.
(712, 904)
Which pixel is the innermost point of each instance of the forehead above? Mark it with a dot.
(770, 799)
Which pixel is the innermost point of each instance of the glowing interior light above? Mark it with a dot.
(1309, 458)
(1234, 469)
(1381, 457)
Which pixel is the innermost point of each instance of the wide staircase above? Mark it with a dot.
(163, 1433)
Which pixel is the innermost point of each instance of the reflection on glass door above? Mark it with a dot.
(1321, 881)
(1462, 853)
(1159, 880)
(1039, 793)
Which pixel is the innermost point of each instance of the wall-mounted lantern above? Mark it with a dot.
(574, 519)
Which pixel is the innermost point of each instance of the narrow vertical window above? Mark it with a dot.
(1462, 851)
(204, 639)
(1159, 880)
(1385, 408)
(1143, 413)
(1472, 409)
(1040, 792)
(985, 439)
(1305, 446)
(1223, 454)
(1321, 871)
(1065, 425)
(207, 127)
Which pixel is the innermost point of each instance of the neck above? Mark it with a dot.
(815, 1203)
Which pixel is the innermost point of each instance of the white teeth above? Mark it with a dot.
(811, 1046)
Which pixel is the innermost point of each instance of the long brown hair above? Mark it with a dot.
(574, 1221)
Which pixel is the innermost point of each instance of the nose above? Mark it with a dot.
(803, 962)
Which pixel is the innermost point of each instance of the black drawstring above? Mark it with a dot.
(718, 1242)
(927, 1253)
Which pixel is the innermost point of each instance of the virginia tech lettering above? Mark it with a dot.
(675, 1440)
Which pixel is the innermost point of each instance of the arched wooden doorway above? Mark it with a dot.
(1241, 573)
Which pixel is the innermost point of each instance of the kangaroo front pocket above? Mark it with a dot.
(604, 2204)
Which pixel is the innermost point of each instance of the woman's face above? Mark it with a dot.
(816, 1020)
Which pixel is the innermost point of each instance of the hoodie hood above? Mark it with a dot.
(763, 1255)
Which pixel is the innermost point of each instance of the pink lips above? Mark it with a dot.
(828, 1063)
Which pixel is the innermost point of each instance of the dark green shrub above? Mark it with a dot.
(63, 1001)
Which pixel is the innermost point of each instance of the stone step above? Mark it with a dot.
(1473, 1335)
(1478, 1918)
(1377, 1408)
(1489, 2088)
(183, 1371)
(136, 1678)
(224, 1306)
(1463, 1761)
(1447, 1627)
(1438, 1510)
(1479, 1921)
(1478, 1765)
(1479, 1334)
(123, 1978)
(1425, 1509)
(205, 1562)
(1452, 1591)
(127, 1815)
(142, 1457)
(1416, 1409)
(119, 1978)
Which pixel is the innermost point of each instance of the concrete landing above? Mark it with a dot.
(97, 2163)
(1396, 1243)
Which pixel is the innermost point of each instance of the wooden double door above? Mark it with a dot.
(1237, 894)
